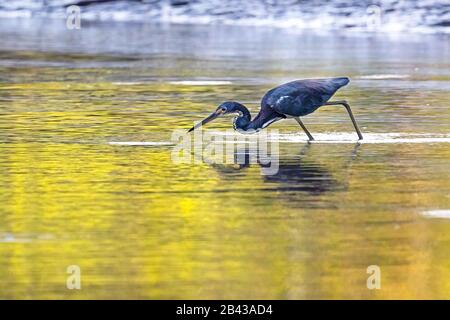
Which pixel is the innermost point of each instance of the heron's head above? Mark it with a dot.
(227, 107)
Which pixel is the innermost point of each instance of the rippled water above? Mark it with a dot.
(430, 16)
(87, 176)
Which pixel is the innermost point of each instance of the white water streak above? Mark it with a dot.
(328, 138)
(443, 214)
(201, 82)
(383, 76)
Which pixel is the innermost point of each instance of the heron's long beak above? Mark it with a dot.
(210, 118)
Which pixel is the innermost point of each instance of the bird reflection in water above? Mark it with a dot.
(296, 175)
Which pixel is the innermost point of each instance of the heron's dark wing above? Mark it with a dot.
(301, 97)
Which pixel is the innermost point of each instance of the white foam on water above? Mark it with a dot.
(383, 76)
(351, 137)
(443, 214)
(317, 15)
(328, 138)
(201, 82)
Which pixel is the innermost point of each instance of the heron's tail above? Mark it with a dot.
(341, 81)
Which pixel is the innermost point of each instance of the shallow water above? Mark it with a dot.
(88, 178)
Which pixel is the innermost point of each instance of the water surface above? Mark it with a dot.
(87, 177)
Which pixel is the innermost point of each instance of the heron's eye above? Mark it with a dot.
(224, 109)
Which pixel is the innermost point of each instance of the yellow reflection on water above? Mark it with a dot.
(141, 226)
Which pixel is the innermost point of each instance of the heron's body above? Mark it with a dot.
(290, 100)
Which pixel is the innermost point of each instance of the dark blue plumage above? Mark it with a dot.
(290, 100)
(302, 97)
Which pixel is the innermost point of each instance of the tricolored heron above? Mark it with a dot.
(290, 100)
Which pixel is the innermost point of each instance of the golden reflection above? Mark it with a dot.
(141, 226)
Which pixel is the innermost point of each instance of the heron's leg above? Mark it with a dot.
(350, 113)
(304, 128)
(305, 149)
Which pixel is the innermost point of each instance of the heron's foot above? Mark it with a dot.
(310, 137)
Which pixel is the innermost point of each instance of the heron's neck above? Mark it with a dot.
(243, 119)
